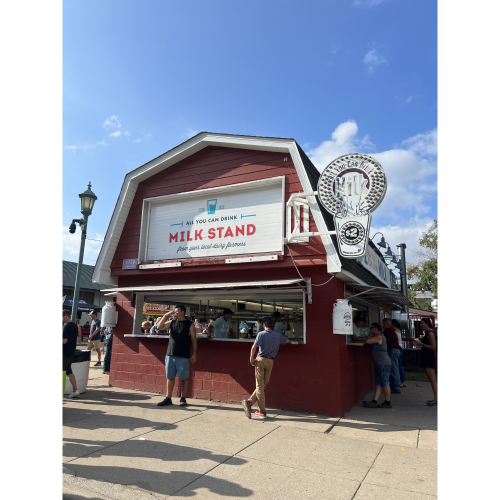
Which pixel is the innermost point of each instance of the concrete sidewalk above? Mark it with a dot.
(119, 445)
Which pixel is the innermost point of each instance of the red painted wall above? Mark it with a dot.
(323, 376)
(209, 168)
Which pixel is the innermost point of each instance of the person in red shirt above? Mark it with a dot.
(394, 353)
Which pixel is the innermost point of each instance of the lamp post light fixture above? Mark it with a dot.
(87, 200)
(382, 242)
(400, 264)
(389, 252)
(394, 261)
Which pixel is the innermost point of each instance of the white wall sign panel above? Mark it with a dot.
(241, 219)
(373, 263)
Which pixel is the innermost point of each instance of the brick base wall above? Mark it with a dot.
(323, 376)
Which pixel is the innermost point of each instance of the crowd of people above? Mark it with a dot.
(386, 345)
(222, 327)
(385, 341)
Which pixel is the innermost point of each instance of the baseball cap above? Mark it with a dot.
(227, 311)
(267, 319)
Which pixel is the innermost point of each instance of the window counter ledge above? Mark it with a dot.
(205, 338)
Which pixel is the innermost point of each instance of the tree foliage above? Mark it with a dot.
(426, 271)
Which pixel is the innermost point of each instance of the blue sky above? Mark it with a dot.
(343, 76)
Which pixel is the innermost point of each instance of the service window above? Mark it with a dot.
(249, 305)
(365, 312)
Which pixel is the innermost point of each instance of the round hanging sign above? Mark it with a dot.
(350, 188)
(353, 184)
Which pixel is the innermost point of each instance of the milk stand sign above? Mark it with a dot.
(350, 188)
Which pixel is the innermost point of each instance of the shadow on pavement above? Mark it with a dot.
(93, 393)
(409, 409)
(135, 448)
(85, 418)
(72, 496)
(163, 483)
(117, 399)
(167, 482)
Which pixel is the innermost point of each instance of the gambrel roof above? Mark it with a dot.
(307, 173)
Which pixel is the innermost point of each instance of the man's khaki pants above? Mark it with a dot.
(263, 369)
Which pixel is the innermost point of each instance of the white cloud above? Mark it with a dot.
(424, 144)
(71, 244)
(111, 123)
(373, 58)
(410, 168)
(127, 133)
(344, 140)
(115, 134)
(191, 132)
(406, 99)
(84, 147)
(137, 140)
(367, 3)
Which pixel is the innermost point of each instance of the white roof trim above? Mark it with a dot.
(202, 286)
(102, 270)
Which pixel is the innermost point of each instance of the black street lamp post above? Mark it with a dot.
(402, 272)
(87, 199)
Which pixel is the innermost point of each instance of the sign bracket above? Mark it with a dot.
(293, 208)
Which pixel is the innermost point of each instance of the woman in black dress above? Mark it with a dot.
(428, 356)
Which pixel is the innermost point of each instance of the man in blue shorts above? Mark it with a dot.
(382, 365)
(178, 358)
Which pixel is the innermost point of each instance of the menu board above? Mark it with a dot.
(155, 309)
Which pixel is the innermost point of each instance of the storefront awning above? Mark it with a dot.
(201, 286)
(377, 294)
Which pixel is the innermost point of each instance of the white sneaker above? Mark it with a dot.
(73, 394)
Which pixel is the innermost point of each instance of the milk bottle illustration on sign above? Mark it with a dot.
(350, 188)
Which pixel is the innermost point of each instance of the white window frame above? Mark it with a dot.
(140, 299)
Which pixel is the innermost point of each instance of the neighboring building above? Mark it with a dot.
(89, 291)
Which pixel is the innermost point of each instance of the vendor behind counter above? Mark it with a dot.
(222, 328)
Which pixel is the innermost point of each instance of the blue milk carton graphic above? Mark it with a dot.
(211, 206)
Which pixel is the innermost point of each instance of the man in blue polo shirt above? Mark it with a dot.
(268, 343)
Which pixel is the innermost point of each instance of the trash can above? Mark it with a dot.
(80, 367)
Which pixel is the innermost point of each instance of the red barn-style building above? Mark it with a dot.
(209, 224)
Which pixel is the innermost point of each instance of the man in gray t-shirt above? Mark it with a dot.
(268, 343)
(222, 327)
(382, 366)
